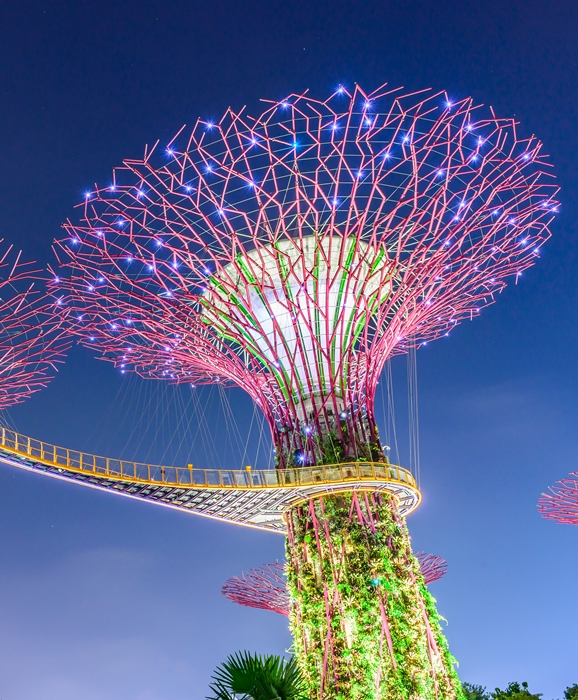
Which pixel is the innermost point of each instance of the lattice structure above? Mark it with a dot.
(561, 504)
(431, 566)
(31, 345)
(292, 254)
(265, 588)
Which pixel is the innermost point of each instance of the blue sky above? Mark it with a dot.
(101, 597)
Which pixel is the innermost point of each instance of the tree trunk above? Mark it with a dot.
(365, 626)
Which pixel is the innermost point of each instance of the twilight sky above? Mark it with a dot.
(102, 598)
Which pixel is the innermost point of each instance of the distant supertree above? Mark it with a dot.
(265, 588)
(30, 342)
(561, 504)
(432, 566)
(291, 254)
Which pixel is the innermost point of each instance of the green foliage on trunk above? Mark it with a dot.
(365, 625)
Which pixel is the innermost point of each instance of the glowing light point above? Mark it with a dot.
(303, 306)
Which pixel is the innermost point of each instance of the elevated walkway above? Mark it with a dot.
(255, 498)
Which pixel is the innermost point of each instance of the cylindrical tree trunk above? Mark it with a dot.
(365, 626)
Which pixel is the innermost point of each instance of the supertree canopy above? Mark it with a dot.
(292, 254)
(561, 504)
(265, 588)
(31, 344)
(432, 567)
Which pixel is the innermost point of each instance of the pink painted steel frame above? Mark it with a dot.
(264, 588)
(453, 201)
(561, 504)
(432, 566)
(31, 345)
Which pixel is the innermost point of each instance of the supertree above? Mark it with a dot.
(292, 254)
(265, 588)
(432, 567)
(561, 504)
(31, 344)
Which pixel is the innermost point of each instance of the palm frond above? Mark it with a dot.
(246, 676)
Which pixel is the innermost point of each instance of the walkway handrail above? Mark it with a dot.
(190, 477)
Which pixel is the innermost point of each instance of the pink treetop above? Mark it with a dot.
(293, 253)
(561, 504)
(266, 589)
(432, 566)
(30, 342)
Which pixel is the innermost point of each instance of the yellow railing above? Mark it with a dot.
(78, 462)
